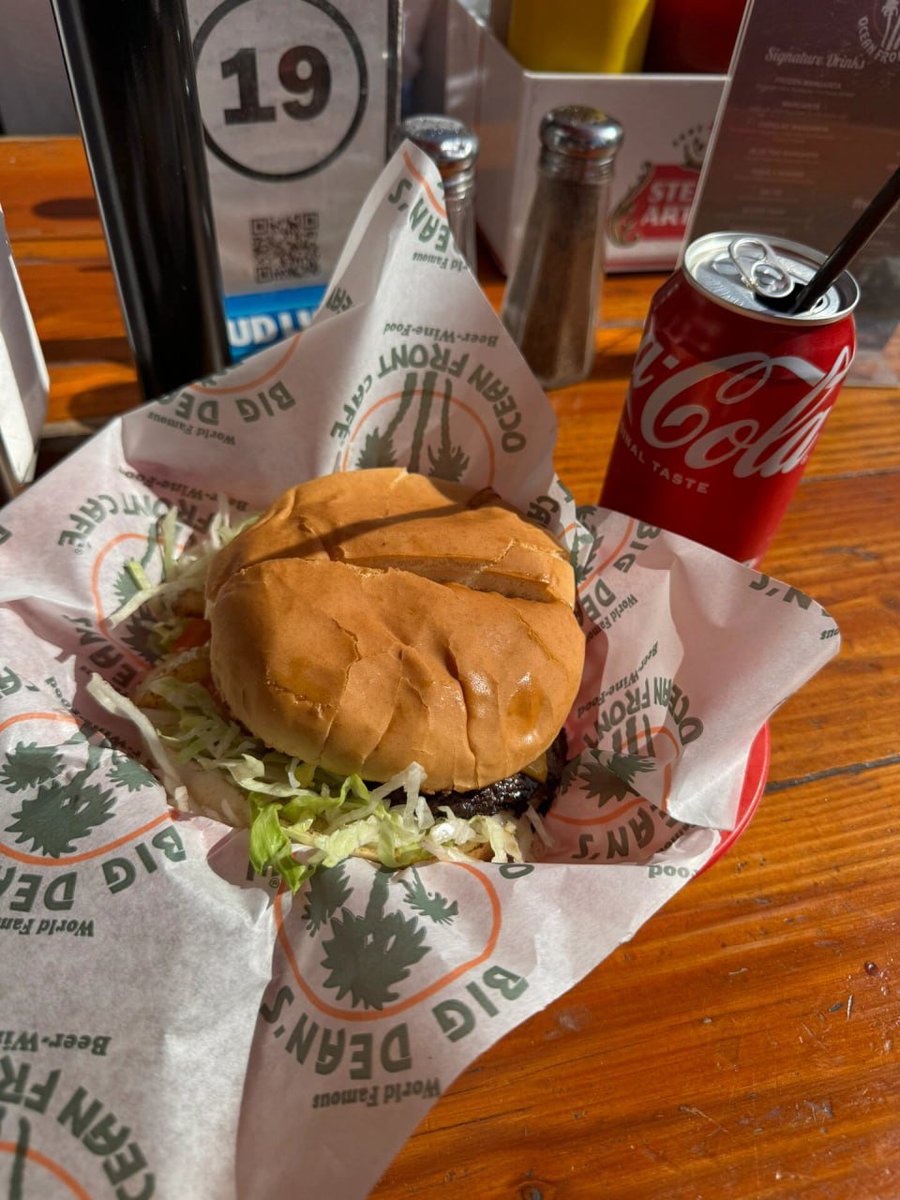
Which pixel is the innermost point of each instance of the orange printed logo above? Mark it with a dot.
(26, 1158)
(364, 954)
(248, 376)
(433, 200)
(28, 1090)
(62, 793)
(400, 429)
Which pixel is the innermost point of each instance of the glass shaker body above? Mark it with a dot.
(552, 302)
(454, 149)
(459, 198)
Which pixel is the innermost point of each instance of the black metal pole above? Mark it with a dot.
(131, 71)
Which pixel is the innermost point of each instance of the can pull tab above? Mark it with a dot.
(759, 268)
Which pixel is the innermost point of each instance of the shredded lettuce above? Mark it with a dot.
(298, 809)
(271, 848)
(120, 706)
(181, 570)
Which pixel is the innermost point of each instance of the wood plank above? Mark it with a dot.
(55, 251)
(90, 393)
(860, 434)
(76, 311)
(46, 189)
(859, 437)
(60, 261)
(717, 1054)
(836, 545)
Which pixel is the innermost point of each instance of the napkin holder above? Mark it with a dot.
(667, 120)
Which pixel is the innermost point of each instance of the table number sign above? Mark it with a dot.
(298, 100)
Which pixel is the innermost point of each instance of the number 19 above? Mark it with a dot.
(303, 71)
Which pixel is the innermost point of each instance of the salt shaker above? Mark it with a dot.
(552, 300)
(454, 149)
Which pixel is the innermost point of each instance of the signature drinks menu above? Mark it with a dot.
(808, 132)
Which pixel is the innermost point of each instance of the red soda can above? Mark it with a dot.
(728, 395)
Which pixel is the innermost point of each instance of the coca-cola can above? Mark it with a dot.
(728, 394)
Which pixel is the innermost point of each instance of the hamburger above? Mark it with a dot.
(381, 664)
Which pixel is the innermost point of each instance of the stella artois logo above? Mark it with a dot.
(658, 206)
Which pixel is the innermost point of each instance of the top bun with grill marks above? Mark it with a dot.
(373, 618)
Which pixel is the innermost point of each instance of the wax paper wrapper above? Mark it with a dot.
(169, 1024)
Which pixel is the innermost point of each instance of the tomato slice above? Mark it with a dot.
(195, 633)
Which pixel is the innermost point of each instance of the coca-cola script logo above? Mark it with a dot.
(679, 411)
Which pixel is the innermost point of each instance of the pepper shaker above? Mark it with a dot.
(454, 150)
(552, 300)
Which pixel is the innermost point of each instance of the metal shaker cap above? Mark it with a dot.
(449, 143)
(581, 132)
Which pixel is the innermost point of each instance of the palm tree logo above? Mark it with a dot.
(890, 38)
(604, 777)
(20, 1154)
(446, 461)
(56, 812)
(366, 956)
(584, 552)
(139, 627)
(430, 904)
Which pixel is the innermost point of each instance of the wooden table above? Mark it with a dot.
(746, 1043)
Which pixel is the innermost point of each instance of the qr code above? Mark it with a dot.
(285, 247)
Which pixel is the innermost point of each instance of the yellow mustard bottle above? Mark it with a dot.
(593, 36)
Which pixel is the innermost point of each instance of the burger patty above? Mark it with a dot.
(512, 794)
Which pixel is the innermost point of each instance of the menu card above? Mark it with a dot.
(808, 132)
(298, 102)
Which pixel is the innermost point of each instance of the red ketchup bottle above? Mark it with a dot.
(693, 36)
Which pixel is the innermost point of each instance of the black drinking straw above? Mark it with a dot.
(849, 245)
